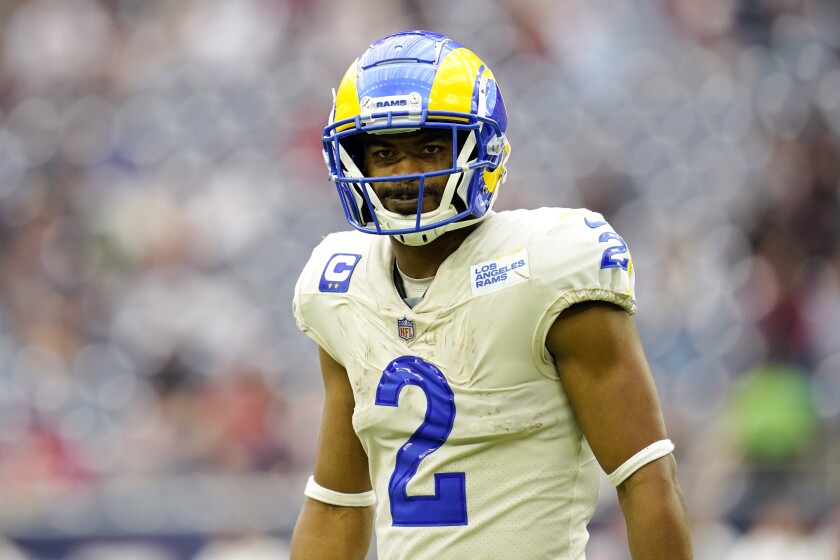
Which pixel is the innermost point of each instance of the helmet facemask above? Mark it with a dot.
(410, 81)
(460, 204)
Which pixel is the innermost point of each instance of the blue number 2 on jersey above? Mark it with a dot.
(610, 258)
(448, 505)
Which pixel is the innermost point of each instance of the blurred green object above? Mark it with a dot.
(773, 414)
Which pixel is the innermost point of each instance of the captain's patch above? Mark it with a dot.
(337, 273)
(503, 271)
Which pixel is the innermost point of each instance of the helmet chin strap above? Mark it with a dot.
(426, 237)
(421, 237)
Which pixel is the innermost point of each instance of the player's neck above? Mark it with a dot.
(423, 261)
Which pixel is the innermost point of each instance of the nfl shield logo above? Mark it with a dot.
(405, 327)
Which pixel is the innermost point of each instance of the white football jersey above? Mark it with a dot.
(473, 448)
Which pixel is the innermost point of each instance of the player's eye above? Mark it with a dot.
(383, 153)
(433, 149)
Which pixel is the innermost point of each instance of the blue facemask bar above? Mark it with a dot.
(403, 120)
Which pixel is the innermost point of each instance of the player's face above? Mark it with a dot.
(405, 154)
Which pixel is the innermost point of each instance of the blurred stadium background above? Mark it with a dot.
(161, 185)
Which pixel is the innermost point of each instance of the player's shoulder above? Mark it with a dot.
(569, 225)
(581, 233)
(347, 241)
(572, 254)
(565, 240)
(333, 261)
(580, 227)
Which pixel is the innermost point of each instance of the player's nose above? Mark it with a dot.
(409, 164)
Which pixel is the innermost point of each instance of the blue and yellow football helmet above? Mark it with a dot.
(404, 82)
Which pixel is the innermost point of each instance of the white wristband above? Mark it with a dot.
(327, 496)
(650, 453)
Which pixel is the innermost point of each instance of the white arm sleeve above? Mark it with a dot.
(650, 453)
(317, 492)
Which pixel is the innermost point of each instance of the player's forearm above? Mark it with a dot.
(657, 520)
(659, 534)
(325, 532)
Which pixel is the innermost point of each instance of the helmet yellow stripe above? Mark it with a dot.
(455, 82)
(347, 97)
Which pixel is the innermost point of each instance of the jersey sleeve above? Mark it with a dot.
(302, 302)
(583, 259)
(322, 290)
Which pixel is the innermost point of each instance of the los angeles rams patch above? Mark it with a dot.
(337, 273)
(502, 272)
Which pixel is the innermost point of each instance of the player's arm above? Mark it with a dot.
(606, 376)
(325, 531)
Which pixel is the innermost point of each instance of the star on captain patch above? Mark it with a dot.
(405, 328)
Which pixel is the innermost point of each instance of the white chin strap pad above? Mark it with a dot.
(420, 237)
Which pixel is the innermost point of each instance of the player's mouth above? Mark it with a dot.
(404, 200)
(403, 205)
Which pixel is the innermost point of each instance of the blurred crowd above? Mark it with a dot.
(161, 186)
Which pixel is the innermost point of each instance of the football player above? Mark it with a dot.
(480, 367)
